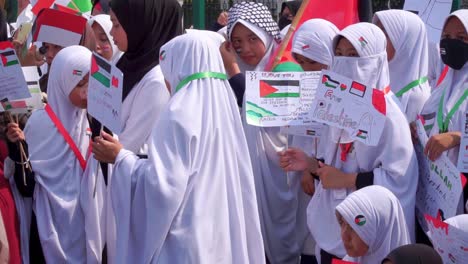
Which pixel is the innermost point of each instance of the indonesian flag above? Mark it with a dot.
(7, 54)
(81, 6)
(101, 71)
(59, 28)
(341, 13)
(279, 88)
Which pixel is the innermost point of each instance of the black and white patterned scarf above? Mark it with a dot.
(255, 13)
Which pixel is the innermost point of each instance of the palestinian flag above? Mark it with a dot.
(279, 88)
(101, 71)
(329, 82)
(6, 104)
(360, 220)
(79, 6)
(361, 134)
(310, 132)
(66, 9)
(357, 89)
(59, 28)
(8, 58)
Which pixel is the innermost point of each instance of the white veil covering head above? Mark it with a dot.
(407, 33)
(257, 18)
(371, 67)
(314, 40)
(375, 214)
(57, 170)
(453, 86)
(459, 221)
(196, 189)
(105, 22)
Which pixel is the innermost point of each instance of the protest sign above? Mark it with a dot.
(463, 154)
(11, 76)
(105, 93)
(22, 106)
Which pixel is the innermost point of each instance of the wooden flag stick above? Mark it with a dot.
(291, 30)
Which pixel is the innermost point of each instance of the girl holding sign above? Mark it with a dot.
(58, 142)
(408, 58)
(193, 200)
(348, 164)
(372, 224)
(253, 36)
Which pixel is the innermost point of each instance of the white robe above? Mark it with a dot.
(277, 201)
(58, 173)
(140, 111)
(193, 199)
(384, 228)
(393, 164)
(407, 32)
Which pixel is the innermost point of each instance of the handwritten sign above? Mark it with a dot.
(433, 13)
(280, 98)
(22, 106)
(463, 154)
(355, 107)
(105, 93)
(440, 183)
(11, 76)
(450, 242)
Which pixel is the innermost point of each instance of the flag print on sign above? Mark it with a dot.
(358, 89)
(279, 88)
(101, 71)
(9, 58)
(329, 82)
(361, 134)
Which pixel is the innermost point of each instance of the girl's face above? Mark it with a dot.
(454, 29)
(78, 96)
(103, 45)
(345, 48)
(51, 52)
(118, 33)
(390, 47)
(308, 64)
(353, 244)
(248, 46)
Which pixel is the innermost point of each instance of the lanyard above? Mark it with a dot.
(411, 85)
(66, 136)
(200, 75)
(443, 124)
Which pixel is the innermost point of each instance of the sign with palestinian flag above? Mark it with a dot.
(449, 241)
(280, 98)
(105, 93)
(59, 28)
(350, 105)
(13, 85)
(313, 130)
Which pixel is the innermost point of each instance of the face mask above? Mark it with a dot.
(283, 22)
(454, 53)
(365, 70)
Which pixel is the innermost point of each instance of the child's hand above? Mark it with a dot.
(414, 134)
(222, 18)
(14, 133)
(333, 178)
(439, 143)
(307, 183)
(229, 58)
(106, 148)
(294, 159)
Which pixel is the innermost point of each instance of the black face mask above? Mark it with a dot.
(283, 22)
(454, 53)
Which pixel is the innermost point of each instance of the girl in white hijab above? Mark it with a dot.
(444, 112)
(254, 35)
(349, 165)
(407, 51)
(58, 161)
(105, 46)
(193, 200)
(372, 224)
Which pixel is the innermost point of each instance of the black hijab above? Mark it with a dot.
(3, 27)
(149, 24)
(414, 254)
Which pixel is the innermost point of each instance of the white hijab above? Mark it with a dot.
(105, 22)
(57, 170)
(407, 33)
(193, 200)
(454, 84)
(459, 221)
(277, 201)
(314, 40)
(384, 228)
